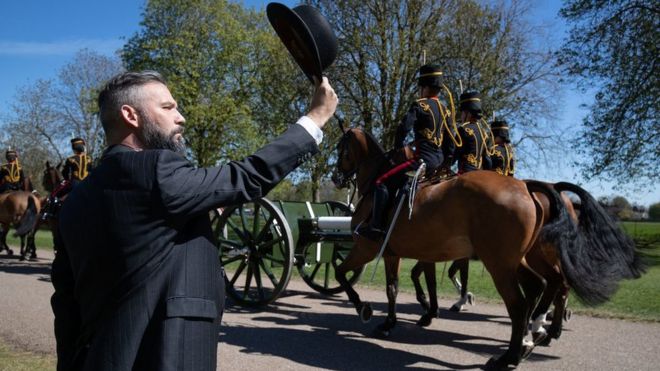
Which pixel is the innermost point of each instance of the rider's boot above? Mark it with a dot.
(375, 230)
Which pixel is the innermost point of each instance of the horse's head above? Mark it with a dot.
(357, 153)
(51, 177)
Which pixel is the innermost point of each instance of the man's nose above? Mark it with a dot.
(180, 119)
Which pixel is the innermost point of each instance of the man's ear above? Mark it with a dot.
(130, 116)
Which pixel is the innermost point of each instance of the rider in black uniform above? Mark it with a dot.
(503, 157)
(11, 174)
(78, 166)
(429, 120)
(473, 154)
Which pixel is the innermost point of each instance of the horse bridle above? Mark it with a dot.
(341, 178)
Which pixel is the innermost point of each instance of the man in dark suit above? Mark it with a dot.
(138, 284)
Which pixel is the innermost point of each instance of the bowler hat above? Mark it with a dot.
(430, 75)
(470, 101)
(500, 128)
(306, 34)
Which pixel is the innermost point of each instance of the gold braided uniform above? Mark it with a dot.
(12, 176)
(77, 167)
(503, 159)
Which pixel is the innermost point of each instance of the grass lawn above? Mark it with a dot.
(24, 361)
(43, 239)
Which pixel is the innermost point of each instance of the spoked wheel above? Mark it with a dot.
(255, 247)
(319, 261)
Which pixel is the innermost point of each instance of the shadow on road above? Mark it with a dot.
(12, 265)
(340, 341)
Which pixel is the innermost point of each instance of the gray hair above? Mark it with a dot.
(121, 90)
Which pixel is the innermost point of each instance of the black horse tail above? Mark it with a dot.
(591, 275)
(609, 251)
(29, 218)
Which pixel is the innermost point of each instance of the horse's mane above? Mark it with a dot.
(373, 142)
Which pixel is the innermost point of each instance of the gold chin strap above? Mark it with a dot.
(431, 74)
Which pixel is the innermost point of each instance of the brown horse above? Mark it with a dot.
(542, 258)
(456, 219)
(19, 209)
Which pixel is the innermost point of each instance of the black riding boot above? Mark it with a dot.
(375, 229)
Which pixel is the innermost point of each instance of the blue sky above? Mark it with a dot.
(38, 37)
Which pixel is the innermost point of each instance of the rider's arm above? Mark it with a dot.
(405, 127)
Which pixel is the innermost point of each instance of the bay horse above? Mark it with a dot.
(455, 219)
(19, 209)
(542, 258)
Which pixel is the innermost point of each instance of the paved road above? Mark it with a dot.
(305, 331)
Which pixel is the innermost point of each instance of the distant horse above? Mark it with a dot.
(19, 209)
(58, 189)
(462, 216)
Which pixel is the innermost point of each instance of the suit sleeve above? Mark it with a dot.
(185, 190)
(65, 308)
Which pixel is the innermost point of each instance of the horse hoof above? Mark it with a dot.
(383, 331)
(545, 342)
(495, 363)
(22, 258)
(455, 308)
(568, 314)
(424, 321)
(539, 337)
(470, 299)
(527, 350)
(366, 312)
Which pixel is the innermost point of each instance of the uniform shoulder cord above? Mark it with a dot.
(484, 135)
(458, 142)
(15, 172)
(82, 172)
(509, 157)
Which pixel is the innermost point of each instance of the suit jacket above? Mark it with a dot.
(138, 284)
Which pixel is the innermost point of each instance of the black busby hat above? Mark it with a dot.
(429, 75)
(500, 128)
(470, 101)
(75, 141)
(306, 34)
(10, 152)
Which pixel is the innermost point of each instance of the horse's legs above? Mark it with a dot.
(392, 264)
(554, 279)
(463, 266)
(358, 257)
(508, 286)
(533, 286)
(430, 278)
(561, 299)
(415, 272)
(23, 248)
(3, 239)
(32, 248)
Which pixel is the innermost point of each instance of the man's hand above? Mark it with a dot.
(324, 103)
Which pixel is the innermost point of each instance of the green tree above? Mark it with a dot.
(228, 72)
(46, 114)
(487, 47)
(613, 47)
(654, 211)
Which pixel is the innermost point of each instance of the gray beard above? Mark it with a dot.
(153, 137)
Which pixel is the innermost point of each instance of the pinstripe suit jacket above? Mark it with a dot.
(137, 283)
